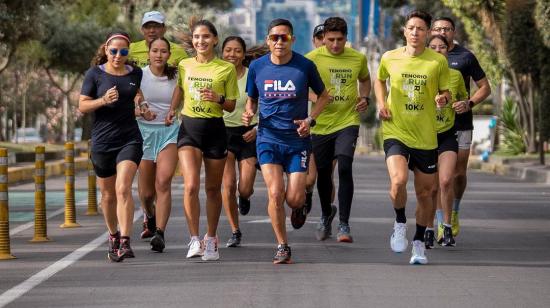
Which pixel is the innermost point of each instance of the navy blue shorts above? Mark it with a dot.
(292, 159)
(105, 162)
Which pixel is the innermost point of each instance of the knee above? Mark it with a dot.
(446, 183)
(245, 192)
(191, 189)
(163, 185)
(276, 196)
(212, 191)
(425, 192)
(229, 187)
(296, 200)
(398, 183)
(108, 197)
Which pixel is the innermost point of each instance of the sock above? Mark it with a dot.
(195, 238)
(456, 205)
(446, 225)
(400, 215)
(439, 216)
(419, 235)
(429, 229)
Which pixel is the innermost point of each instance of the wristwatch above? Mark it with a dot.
(222, 100)
(366, 98)
(471, 104)
(311, 121)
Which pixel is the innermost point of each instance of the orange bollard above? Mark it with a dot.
(40, 224)
(70, 208)
(92, 187)
(5, 251)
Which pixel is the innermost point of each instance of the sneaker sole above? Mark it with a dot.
(234, 245)
(194, 256)
(345, 239)
(210, 259)
(113, 257)
(418, 262)
(322, 238)
(285, 261)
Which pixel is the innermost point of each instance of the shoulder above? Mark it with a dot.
(431, 54)
(137, 45)
(301, 60)
(313, 54)
(390, 54)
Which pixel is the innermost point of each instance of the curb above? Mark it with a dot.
(53, 168)
(525, 171)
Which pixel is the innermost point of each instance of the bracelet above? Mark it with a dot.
(144, 103)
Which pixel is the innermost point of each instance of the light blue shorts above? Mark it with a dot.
(156, 137)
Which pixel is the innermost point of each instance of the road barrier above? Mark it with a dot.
(92, 187)
(40, 223)
(70, 208)
(5, 252)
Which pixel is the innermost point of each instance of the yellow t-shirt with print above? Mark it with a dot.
(217, 74)
(139, 54)
(414, 83)
(446, 116)
(340, 74)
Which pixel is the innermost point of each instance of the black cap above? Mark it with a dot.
(318, 30)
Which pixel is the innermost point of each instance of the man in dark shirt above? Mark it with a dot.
(463, 60)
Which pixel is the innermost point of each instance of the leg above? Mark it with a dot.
(126, 170)
(460, 180)
(447, 163)
(345, 189)
(146, 187)
(213, 181)
(247, 176)
(166, 164)
(311, 174)
(109, 202)
(190, 160)
(295, 196)
(229, 192)
(423, 184)
(399, 173)
(273, 177)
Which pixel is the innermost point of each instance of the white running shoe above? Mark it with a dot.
(418, 253)
(211, 252)
(398, 240)
(196, 248)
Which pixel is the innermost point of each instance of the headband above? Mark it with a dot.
(114, 36)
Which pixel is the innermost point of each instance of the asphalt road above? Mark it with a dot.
(502, 258)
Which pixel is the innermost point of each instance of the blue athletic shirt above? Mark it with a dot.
(282, 94)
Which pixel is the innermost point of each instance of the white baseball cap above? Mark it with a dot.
(153, 16)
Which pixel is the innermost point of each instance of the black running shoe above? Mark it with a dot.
(309, 201)
(244, 205)
(324, 228)
(448, 239)
(298, 217)
(152, 223)
(114, 244)
(235, 240)
(429, 237)
(283, 254)
(157, 242)
(125, 251)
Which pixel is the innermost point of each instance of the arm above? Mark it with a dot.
(249, 110)
(88, 104)
(381, 93)
(442, 98)
(364, 91)
(483, 91)
(177, 96)
(304, 125)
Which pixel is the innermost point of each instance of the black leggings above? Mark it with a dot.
(345, 187)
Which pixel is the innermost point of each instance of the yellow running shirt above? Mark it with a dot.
(446, 115)
(139, 54)
(234, 119)
(217, 74)
(339, 74)
(414, 83)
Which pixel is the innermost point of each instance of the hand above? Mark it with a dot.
(461, 106)
(247, 118)
(110, 96)
(384, 113)
(303, 127)
(440, 101)
(209, 95)
(169, 120)
(362, 104)
(147, 114)
(250, 135)
(139, 98)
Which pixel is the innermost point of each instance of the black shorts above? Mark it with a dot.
(327, 147)
(447, 141)
(206, 134)
(105, 162)
(236, 144)
(423, 160)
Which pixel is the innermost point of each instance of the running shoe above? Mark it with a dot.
(440, 233)
(211, 252)
(125, 251)
(398, 240)
(157, 242)
(324, 228)
(418, 253)
(455, 223)
(448, 240)
(146, 233)
(114, 244)
(235, 240)
(298, 217)
(244, 205)
(343, 235)
(283, 255)
(196, 248)
(309, 201)
(429, 239)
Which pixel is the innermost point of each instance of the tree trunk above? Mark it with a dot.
(532, 147)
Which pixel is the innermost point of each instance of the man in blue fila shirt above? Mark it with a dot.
(279, 83)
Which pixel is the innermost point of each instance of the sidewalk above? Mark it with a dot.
(524, 168)
(25, 172)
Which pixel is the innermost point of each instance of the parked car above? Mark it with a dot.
(27, 135)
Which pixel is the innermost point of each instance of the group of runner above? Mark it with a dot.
(290, 114)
